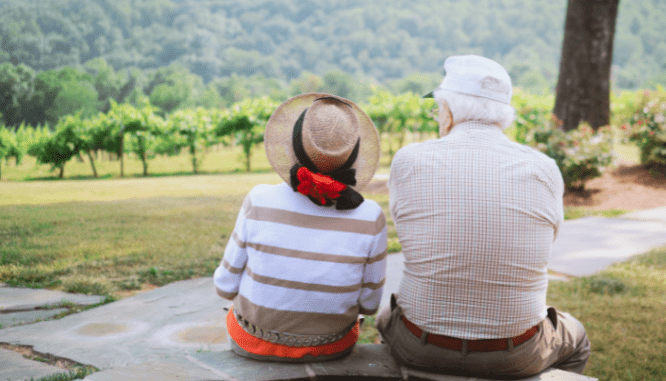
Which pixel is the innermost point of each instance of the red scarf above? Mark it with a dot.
(318, 186)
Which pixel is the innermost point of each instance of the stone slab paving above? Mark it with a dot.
(14, 367)
(657, 214)
(20, 299)
(24, 317)
(587, 245)
(173, 320)
(172, 368)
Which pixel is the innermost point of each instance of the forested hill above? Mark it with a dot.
(282, 39)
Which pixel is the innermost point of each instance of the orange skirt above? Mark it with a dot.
(262, 347)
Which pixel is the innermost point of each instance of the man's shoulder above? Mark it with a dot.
(538, 157)
(420, 146)
(415, 149)
(543, 166)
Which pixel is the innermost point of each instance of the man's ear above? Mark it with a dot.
(445, 119)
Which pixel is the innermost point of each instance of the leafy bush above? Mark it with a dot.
(647, 127)
(193, 128)
(6, 143)
(145, 129)
(530, 111)
(396, 116)
(581, 154)
(57, 149)
(246, 121)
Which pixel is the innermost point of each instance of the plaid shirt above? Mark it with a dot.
(476, 215)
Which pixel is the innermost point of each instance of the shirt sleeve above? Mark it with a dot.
(401, 168)
(228, 275)
(374, 272)
(556, 185)
(559, 206)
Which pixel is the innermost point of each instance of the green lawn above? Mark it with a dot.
(110, 236)
(624, 312)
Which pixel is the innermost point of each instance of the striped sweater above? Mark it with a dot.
(292, 266)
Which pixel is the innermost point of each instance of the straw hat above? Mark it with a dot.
(332, 130)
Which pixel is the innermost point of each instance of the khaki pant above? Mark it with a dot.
(561, 343)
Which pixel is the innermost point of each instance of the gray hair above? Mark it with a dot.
(466, 108)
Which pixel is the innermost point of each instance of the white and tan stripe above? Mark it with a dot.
(322, 257)
(332, 224)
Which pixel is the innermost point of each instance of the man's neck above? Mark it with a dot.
(473, 124)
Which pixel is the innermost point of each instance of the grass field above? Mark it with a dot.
(623, 310)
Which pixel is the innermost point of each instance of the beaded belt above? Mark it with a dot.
(290, 339)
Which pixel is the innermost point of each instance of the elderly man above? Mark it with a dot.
(476, 215)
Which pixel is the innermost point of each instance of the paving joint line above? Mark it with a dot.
(51, 359)
(216, 371)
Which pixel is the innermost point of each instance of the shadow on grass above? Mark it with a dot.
(150, 175)
(56, 178)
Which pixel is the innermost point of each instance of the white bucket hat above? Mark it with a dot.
(331, 137)
(476, 75)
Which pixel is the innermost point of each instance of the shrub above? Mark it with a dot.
(194, 129)
(6, 144)
(531, 110)
(57, 149)
(581, 154)
(647, 127)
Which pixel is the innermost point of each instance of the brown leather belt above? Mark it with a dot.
(452, 343)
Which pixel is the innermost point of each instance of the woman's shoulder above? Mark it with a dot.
(282, 196)
(270, 190)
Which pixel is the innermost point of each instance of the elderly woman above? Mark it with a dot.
(309, 254)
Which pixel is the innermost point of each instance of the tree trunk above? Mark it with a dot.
(144, 161)
(122, 164)
(193, 155)
(121, 154)
(583, 87)
(195, 164)
(92, 164)
(62, 171)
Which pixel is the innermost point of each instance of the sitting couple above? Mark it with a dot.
(476, 215)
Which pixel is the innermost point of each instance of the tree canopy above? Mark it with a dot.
(283, 39)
